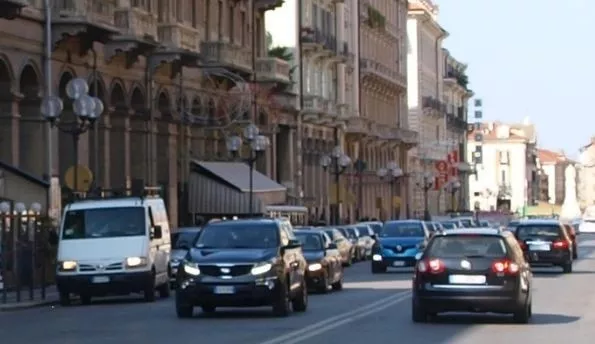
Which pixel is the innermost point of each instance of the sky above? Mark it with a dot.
(529, 58)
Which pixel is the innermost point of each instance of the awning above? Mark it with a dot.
(222, 188)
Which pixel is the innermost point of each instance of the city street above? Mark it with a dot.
(372, 307)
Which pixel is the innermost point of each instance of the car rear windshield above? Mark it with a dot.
(449, 225)
(452, 246)
(546, 232)
(402, 229)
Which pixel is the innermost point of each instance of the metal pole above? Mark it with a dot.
(337, 215)
(96, 128)
(360, 194)
(254, 36)
(392, 197)
(298, 138)
(48, 93)
(75, 139)
(251, 162)
(427, 216)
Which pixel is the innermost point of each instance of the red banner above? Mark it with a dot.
(440, 181)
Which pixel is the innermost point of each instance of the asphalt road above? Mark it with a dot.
(372, 307)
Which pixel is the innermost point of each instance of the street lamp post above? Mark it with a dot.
(339, 161)
(393, 172)
(258, 145)
(426, 184)
(86, 108)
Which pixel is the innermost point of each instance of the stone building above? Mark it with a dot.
(176, 78)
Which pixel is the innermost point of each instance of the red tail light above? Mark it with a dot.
(505, 266)
(432, 266)
(560, 244)
(523, 245)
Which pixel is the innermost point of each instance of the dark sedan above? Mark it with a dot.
(325, 266)
(181, 241)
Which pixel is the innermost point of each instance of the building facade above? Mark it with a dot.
(586, 175)
(505, 162)
(456, 96)
(176, 78)
(427, 110)
(554, 166)
(352, 61)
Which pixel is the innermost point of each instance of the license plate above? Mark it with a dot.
(539, 247)
(100, 279)
(467, 279)
(398, 263)
(224, 290)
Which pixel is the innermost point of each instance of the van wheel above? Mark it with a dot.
(164, 291)
(64, 299)
(149, 291)
(567, 267)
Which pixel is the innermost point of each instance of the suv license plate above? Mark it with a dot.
(467, 279)
(398, 263)
(224, 290)
(539, 247)
(100, 279)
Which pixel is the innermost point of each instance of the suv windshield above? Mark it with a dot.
(453, 246)
(310, 241)
(546, 232)
(396, 229)
(104, 223)
(239, 235)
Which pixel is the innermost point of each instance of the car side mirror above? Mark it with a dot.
(331, 246)
(418, 256)
(157, 232)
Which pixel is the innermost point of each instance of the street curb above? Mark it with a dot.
(26, 305)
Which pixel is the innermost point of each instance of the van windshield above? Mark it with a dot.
(104, 223)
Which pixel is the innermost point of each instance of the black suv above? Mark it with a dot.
(243, 263)
(472, 270)
(546, 243)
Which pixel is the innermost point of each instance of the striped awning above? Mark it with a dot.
(222, 189)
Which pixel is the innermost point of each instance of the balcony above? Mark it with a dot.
(178, 36)
(272, 69)
(312, 39)
(456, 78)
(223, 54)
(91, 21)
(382, 73)
(344, 53)
(267, 5)
(356, 126)
(10, 9)
(433, 106)
(313, 109)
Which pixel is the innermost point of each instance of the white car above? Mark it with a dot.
(587, 226)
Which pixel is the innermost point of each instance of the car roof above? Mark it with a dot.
(264, 220)
(406, 221)
(307, 231)
(539, 222)
(477, 231)
(187, 230)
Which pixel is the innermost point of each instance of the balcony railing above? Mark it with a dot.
(272, 68)
(382, 71)
(267, 5)
(225, 53)
(101, 11)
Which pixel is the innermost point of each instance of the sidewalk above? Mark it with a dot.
(51, 297)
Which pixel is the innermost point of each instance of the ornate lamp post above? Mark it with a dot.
(393, 173)
(86, 108)
(336, 164)
(258, 145)
(426, 184)
(454, 186)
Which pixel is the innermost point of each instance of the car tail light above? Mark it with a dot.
(432, 266)
(560, 244)
(523, 245)
(505, 266)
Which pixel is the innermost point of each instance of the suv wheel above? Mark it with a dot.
(64, 299)
(281, 303)
(183, 310)
(300, 302)
(164, 290)
(523, 315)
(323, 287)
(418, 313)
(567, 267)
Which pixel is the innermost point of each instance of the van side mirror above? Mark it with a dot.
(157, 232)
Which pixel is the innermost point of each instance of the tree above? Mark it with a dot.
(284, 54)
(269, 41)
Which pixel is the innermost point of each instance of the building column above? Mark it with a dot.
(172, 182)
(9, 129)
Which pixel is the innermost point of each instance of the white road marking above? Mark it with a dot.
(310, 331)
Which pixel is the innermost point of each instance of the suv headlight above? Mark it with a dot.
(136, 262)
(314, 267)
(67, 265)
(191, 269)
(261, 268)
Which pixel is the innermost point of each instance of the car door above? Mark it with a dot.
(293, 256)
(519, 258)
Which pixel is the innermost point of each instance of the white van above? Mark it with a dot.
(114, 246)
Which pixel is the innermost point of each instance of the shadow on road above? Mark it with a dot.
(482, 319)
